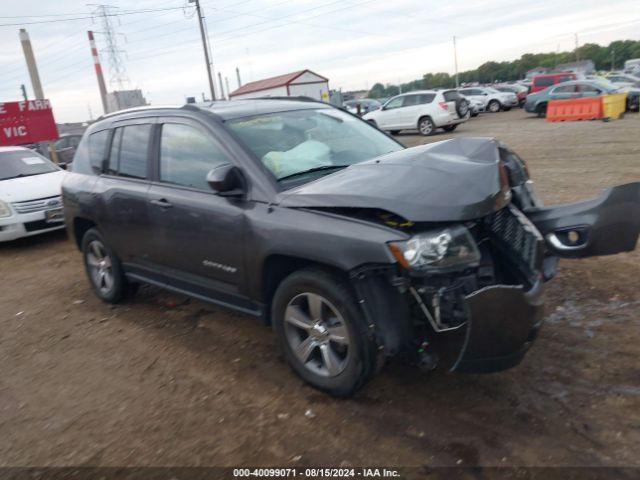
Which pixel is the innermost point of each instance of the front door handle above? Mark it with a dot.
(162, 203)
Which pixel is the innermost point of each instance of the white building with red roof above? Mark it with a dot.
(303, 83)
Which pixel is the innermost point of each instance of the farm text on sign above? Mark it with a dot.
(29, 121)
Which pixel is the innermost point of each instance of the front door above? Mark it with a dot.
(387, 118)
(197, 234)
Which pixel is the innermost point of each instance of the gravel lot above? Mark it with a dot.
(163, 380)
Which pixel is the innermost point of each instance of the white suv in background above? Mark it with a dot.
(30, 189)
(493, 100)
(424, 110)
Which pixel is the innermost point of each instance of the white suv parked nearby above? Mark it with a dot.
(30, 187)
(493, 100)
(424, 110)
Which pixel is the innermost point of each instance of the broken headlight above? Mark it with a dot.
(438, 250)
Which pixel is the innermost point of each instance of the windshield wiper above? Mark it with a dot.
(311, 170)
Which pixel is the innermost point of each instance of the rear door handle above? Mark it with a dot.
(162, 203)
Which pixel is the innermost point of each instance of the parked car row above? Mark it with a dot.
(537, 102)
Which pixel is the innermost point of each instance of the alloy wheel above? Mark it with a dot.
(494, 106)
(317, 334)
(426, 127)
(100, 267)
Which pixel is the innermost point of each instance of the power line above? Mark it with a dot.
(119, 14)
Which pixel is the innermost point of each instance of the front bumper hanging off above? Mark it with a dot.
(503, 323)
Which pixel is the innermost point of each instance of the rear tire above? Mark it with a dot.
(103, 268)
(506, 109)
(394, 132)
(494, 106)
(450, 128)
(322, 332)
(426, 126)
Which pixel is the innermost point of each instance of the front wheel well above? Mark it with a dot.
(80, 227)
(278, 267)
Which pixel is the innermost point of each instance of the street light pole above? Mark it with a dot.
(205, 48)
(455, 60)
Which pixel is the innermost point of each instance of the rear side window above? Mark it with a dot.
(451, 96)
(187, 155)
(91, 153)
(426, 98)
(129, 151)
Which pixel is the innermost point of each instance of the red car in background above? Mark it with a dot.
(541, 82)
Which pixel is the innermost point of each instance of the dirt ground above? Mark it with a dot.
(163, 380)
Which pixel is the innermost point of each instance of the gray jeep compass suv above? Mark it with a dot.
(354, 248)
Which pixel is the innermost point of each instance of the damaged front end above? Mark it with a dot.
(470, 295)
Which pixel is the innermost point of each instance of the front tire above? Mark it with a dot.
(103, 268)
(494, 106)
(426, 126)
(322, 332)
(541, 110)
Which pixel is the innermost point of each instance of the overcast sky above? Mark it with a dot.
(354, 43)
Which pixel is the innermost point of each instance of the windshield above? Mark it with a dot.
(301, 145)
(23, 163)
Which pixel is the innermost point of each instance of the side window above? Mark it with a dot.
(112, 167)
(74, 141)
(62, 143)
(394, 103)
(97, 148)
(450, 96)
(565, 78)
(543, 82)
(134, 147)
(90, 153)
(465, 92)
(589, 89)
(411, 100)
(187, 155)
(565, 89)
(426, 98)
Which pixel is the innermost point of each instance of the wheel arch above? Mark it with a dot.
(276, 267)
(80, 226)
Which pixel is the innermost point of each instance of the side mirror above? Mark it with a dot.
(485, 94)
(227, 181)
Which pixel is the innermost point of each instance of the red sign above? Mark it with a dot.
(29, 121)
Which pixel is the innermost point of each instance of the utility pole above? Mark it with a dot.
(455, 60)
(238, 76)
(613, 58)
(221, 87)
(98, 67)
(205, 48)
(35, 84)
(24, 92)
(226, 81)
(577, 52)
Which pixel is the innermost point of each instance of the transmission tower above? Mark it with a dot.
(117, 71)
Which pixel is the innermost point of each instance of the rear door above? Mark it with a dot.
(450, 98)
(197, 235)
(123, 187)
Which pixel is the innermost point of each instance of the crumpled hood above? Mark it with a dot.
(452, 180)
(32, 187)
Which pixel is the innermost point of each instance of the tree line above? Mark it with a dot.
(608, 57)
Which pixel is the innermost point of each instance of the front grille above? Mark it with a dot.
(38, 205)
(519, 240)
(40, 225)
